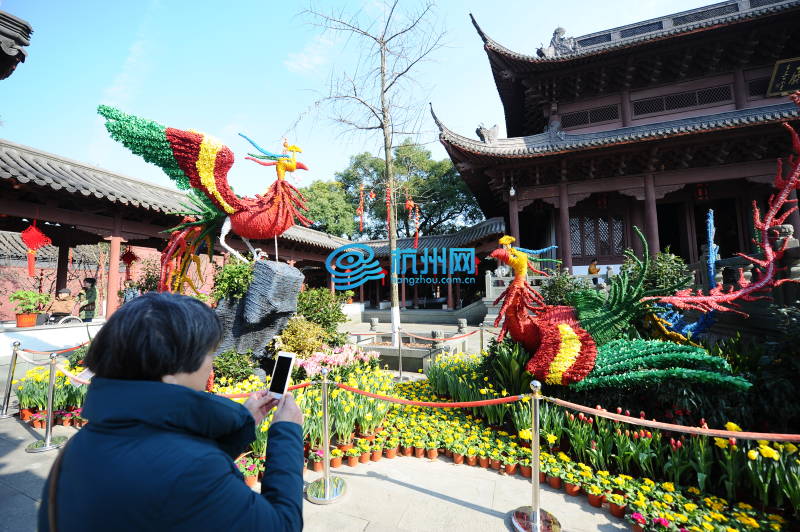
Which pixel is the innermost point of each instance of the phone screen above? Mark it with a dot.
(280, 376)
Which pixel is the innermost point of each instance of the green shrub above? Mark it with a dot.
(149, 277)
(232, 280)
(505, 366)
(557, 288)
(666, 271)
(235, 366)
(321, 306)
(301, 337)
(28, 301)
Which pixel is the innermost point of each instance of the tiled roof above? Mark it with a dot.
(29, 165)
(462, 238)
(15, 35)
(13, 249)
(306, 235)
(558, 141)
(691, 21)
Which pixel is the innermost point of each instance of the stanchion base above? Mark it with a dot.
(315, 492)
(521, 519)
(401, 379)
(56, 442)
(6, 416)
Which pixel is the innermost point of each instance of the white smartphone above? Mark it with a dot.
(281, 373)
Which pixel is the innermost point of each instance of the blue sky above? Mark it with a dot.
(255, 67)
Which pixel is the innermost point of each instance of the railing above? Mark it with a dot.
(495, 284)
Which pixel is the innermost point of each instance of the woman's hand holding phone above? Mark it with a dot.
(288, 410)
(260, 403)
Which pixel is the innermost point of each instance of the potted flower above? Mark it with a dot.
(38, 420)
(315, 459)
(66, 417)
(29, 304)
(595, 495)
(472, 456)
(494, 458)
(352, 456)
(509, 460)
(377, 450)
(458, 452)
(365, 450)
(525, 468)
(432, 448)
(616, 505)
(248, 469)
(419, 448)
(554, 476)
(336, 458)
(391, 447)
(637, 521)
(77, 418)
(483, 458)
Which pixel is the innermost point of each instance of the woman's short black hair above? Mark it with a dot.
(154, 335)
(91, 280)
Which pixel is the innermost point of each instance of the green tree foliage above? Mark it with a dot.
(560, 285)
(321, 306)
(232, 280)
(149, 276)
(330, 208)
(667, 273)
(446, 204)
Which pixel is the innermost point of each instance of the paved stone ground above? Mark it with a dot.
(403, 494)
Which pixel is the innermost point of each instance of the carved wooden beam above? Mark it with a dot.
(630, 70)
(715, 56)
(685, 62)
(602, 80)
(655, 71)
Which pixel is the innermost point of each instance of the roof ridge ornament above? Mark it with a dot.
(559, 45)
(488, 136)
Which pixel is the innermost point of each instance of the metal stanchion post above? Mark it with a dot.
(400, 357)
(533, 518)
(49, 442)
(327, 489)
(12, 366)
(482, 343)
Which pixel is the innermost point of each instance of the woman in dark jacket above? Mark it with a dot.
(158, 451)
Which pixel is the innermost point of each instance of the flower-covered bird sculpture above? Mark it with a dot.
(199, 162)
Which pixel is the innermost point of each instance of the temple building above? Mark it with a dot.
(648, 125)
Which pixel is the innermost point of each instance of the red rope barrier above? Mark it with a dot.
(58, 352)
(467, 404)
(248, 394)
(439, 339)
(676, 428)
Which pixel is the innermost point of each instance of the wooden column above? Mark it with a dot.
(361, 294)
(513, 216)
(63, 264)
(625, 108)
(458, 295)
(450, 291)
(651, 214)
(330, 284)
(565, 246)
(112, 300)
(403, 294)
(416, 297)
(739, 89)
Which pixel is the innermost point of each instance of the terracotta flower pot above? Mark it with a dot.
(368, 437)
(572, 489)
(66, 422)
(26, 320)
(510, 468)
(595, 500)
(617, 510)
(526, 471)
(542, 478)
(458, 458)
(637, 528)
(250, 480)
(432, 453)
(419, 452)
(336, 461)
(317, 467)
(494, 464)
(25, 414)
(484, 462)
(344, 447)
(376, 455)
(38, 423)
(352, 461)
(448, 453)
(390, 453)
(407, 451)
(364, 458)
(554, 482)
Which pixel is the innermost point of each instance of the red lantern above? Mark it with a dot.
(129, 257)
(701, 191)
(34, 239)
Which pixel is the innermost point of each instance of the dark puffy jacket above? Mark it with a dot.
(158, 456)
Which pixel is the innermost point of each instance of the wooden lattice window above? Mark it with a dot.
(597, 236)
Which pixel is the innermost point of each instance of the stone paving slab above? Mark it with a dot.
(402, 494)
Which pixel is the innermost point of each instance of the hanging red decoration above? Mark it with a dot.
(34, 239)
(129, 257)
(360, 210)
(416, 226)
